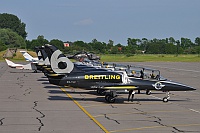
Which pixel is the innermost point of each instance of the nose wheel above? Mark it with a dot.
(166, 99)
(148, 92)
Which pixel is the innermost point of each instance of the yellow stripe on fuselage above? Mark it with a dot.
(47, 68)
(121, 87)
(55, 75)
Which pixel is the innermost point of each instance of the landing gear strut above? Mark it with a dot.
(111, 97)
(166, 99)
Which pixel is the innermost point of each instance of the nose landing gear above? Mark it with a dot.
(166, 99)
(148, 92)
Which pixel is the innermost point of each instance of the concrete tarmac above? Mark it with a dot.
(29, 104)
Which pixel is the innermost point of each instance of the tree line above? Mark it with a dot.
(13, 34)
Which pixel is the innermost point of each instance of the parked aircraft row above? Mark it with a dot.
(107, 79)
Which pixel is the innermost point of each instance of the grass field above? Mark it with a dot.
(124, 58)
(150, 58)
(18, 56)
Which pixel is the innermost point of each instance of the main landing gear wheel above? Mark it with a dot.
(148, 92)
(101, 92)
(109, 98)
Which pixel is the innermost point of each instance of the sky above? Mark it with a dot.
(104, 20)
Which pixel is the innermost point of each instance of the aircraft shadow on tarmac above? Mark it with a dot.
(57, 90)
(43, 79)
(45, 82)
(51, 87)
(20, 72)
(97, 99)
(102, 99)
(83, 97)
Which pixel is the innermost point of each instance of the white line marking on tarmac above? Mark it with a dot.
(179, 105)
(175, 68)
(194, 110)
(155, 97)
(194, 92)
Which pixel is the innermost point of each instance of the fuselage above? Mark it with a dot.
(112, 79)
(86, 79)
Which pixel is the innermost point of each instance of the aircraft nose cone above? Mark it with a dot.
(188, 88)
(192, 89)
(174, 86)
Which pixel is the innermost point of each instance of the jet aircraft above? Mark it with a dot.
(84, 54)
(70, 74)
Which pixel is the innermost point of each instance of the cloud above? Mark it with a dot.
(84, 22)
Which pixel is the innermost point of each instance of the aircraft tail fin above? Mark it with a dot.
(60, 64)
(28, 57)
(10, 63)
(42, 56)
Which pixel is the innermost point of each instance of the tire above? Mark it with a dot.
(102, 92)
(106, 97)
(97, 91)
(148, 92)
(109, 98)
(165, 99)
